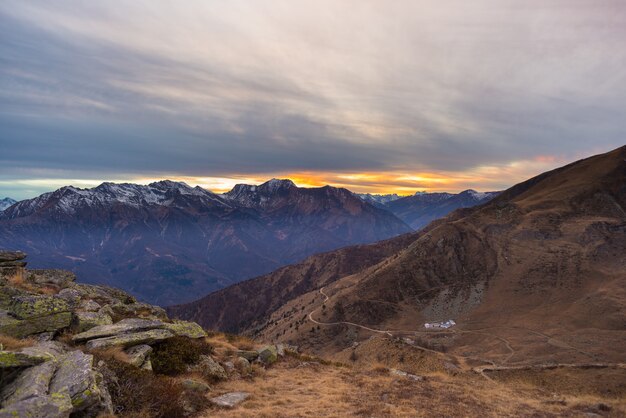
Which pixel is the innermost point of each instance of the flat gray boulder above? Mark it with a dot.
(130, 339)
(122, 327)
(21, 328)
(230, 400)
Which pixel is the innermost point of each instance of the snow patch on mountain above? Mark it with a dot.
(378, 198)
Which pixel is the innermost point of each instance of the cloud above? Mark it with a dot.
(133, 89)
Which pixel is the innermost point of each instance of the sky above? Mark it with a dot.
(376, 96)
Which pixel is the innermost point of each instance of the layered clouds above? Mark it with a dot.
(376, 96)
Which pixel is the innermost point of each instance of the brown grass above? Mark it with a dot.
(19, 281)
(116, 353)
(297, 388)
(15, 343)
(226, 344)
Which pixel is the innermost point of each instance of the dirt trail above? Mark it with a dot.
(492, 365)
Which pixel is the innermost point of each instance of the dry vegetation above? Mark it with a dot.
(293, 388)
(308, 386)
(10, 343)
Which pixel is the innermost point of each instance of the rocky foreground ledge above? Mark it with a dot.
(56, 336)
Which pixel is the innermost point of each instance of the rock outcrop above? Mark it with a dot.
(68, 324)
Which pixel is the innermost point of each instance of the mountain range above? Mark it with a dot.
(538, 273)
(168, 242)
(420, 209)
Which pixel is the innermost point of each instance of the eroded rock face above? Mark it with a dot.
(23, 328)
(32, 382)
(76, 376)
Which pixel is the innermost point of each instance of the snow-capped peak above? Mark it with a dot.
(378, 198)
(476, 195)
(277, 184)
(68, 199)
(6, 202)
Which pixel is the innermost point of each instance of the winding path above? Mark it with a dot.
(480, 369)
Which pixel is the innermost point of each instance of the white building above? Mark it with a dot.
(440, 325)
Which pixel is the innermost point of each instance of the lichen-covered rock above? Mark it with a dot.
(248, 355)
(123, 326)
(19, 359)
(23, 328)
(57, 405)
(268, 354)
(7, 293)
(72, 296)
(186, 329)
(47, 349)
(230, 400)
(76, 376)
(243, 366)
(61, 278)
(102, 294)
(209, 368)
(91, 306)
(32, 382)
(138, 309)
(195, 385)
(138, 354)
(130, 339)
(84, 321)
(35, 306)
